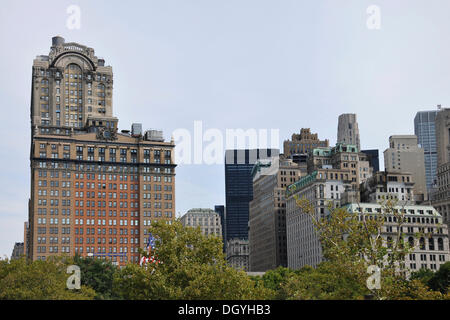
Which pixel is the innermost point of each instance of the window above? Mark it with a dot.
(422, 243)
(440, 244)
(431, 243)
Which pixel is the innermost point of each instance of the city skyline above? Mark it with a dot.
(192, 59)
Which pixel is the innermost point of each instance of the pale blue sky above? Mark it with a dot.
(232, 64)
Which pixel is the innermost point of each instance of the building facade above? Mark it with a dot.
(303, 143)
(220, 209)
(94, 190)
(18, 251)
(384, 185)
(425, 130)
(267, 219)
(26, 235)
(348, 131)
(404, 155)
(423, 226)
(332, 173)
(441, 194)
(423, 230)
(321, 188)
(238, 253)
(345, 157)
(70, 86)
(206, 219)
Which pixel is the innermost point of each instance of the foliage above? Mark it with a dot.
(441, 279)
(193, 267)
(350, 244)
(38, 280)
(97, 274)
(423, 275)
(329, 281)
(397, 288)
(273, 281)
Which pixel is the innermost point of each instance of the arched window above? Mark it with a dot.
(440, 244)
(411, 242)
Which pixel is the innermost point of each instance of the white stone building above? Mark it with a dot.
(208, 220)
(319, 188)
(423, 228)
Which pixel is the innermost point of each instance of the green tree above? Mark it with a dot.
(193, 267)
(329, 281)
(440, 281)
(273, 281)
(97, 274)
(350, 244)
(423, 275)
(21, 279)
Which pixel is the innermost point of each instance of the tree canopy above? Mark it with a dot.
(38, 280)
(192, 266)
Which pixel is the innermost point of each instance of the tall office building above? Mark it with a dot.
(348, 131)
(404, 155)
(443, 136)
(94, 191)
(239, 188)
(441, 195)
(373, 158)
(303, 143)
(267, 221)
(332, 173)
(238, 194)
(425, 130)
(70, 86)
(321, 188)
(345, 157)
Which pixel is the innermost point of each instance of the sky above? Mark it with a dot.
(249, 64)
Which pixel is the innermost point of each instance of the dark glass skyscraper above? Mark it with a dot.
(374, 159)
(239, 188)
(424, 129)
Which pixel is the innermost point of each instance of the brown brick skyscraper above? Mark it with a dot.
(94, 190)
